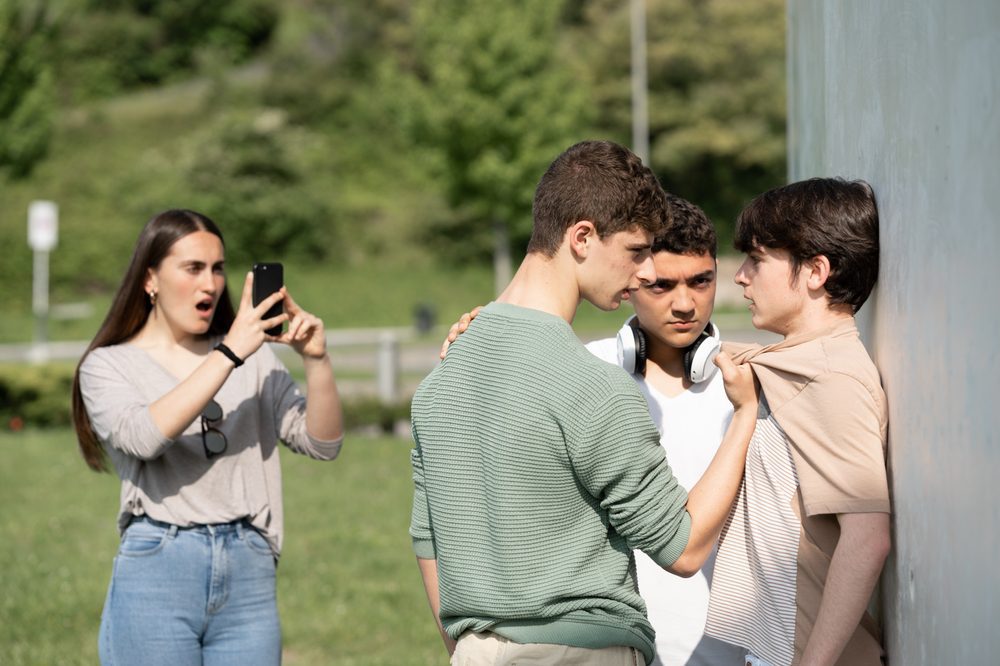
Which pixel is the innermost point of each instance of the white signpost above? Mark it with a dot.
(43, 235)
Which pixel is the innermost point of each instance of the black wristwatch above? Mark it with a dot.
(230, 354)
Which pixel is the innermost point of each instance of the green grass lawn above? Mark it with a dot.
(348, 587)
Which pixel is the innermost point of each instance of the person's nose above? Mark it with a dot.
(207, 282)
(682, 304)
(646, 272)
(741, 274)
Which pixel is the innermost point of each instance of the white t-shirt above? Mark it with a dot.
(691, 427)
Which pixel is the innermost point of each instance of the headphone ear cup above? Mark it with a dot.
(632, 347)
(699, 357)
(640, 351)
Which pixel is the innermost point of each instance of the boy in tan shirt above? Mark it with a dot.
(809, 533)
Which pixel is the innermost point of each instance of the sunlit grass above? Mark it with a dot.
(348, 587)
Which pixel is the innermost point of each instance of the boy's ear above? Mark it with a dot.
(817, 271)
(580, 234)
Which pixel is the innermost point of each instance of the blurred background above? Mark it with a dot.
(382, 149)
(386, 151)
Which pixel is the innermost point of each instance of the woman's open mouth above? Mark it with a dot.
(205, 307)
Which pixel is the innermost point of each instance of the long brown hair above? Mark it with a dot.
(131, 307)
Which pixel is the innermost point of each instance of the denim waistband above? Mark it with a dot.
(214, 528)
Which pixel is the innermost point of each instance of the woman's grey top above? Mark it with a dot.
(172, 480)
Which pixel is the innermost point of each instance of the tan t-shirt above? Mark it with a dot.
(818, 450)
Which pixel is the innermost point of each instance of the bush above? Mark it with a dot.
(366, 412)
(40, 396)
(37, 395)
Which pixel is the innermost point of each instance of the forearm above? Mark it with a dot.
(428, 571)
(711, 499)
(175, 411)
(854, 570)
(324, 416)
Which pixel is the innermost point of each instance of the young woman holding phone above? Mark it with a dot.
(184, 397)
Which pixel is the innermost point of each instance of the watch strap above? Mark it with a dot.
(230, 354)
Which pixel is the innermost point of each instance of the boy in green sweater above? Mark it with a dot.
(536, 466)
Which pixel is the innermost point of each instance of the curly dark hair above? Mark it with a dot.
(687, 230)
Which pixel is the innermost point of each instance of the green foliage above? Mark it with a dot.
(326, 53)
(716, 94)
(26, 87)
(106, 47)
(484, 86)
(375, 141)
(36, 395)
(248, 171)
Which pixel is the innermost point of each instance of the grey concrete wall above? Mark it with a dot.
(906, 94)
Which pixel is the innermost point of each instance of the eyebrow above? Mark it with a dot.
(665, 282)
(199, 263)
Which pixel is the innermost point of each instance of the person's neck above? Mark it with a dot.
(156, 333)
(543, 283)
(665, 368)
(819, 319)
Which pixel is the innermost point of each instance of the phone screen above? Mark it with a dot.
(267, 279)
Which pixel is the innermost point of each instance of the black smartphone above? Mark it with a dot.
(267, 279)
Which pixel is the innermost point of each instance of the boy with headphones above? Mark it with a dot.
(667, 347)
(809, 533)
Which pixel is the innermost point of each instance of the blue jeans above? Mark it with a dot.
(201, 596)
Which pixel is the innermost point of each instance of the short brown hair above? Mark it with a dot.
(687, 229)
(829, 216)
(599, 181)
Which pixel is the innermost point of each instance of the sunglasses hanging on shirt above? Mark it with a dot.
(212, 439)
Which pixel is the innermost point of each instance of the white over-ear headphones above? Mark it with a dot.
(698, 357)
(632, 347)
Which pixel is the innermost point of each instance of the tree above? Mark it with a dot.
(716, 93)
(247, 171)
(485, 87)
(26, 87)
(107, 46)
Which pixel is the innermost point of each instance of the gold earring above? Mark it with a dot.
(152, 297)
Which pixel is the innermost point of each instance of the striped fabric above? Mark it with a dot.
(536, 470)
(753, 592)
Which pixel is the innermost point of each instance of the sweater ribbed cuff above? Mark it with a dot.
(667, 555)
(424, 549)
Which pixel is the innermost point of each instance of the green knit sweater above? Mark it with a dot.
(537, 470)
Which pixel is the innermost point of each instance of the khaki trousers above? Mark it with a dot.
(489, 649)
